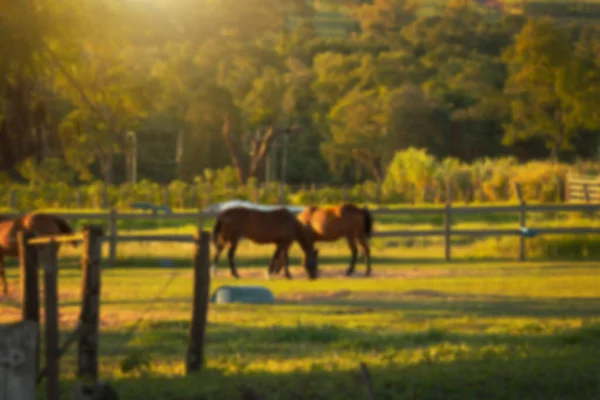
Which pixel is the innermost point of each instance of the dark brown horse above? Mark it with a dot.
(279, 227)
(38, 223)
(328, 224)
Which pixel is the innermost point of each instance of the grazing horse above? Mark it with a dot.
(277, 226)
(328, 224)
(38, 223)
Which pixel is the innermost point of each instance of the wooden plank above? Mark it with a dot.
(51, 316)
(409, 233)
(87, 360)
(153, 238)
(486, 232)
(18, 346)
(378, 211)
(57, 239)
(195, 353)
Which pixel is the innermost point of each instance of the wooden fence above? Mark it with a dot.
(21, 380)
(448, 212)
(582, 189)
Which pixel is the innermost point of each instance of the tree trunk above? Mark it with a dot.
(106, 164)
(234, 151)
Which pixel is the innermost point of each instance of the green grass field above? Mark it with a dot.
(481, 327)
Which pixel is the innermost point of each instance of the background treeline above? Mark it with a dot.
(414, 176)
(256, 90)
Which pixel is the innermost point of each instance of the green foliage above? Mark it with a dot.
(207, 85)
(413, 176)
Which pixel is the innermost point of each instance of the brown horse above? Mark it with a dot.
(278, 226)
(328, 224)
(38, 223)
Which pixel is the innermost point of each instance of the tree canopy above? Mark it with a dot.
(206, 85)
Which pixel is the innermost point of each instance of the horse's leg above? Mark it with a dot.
(272, 264)
(285, 250)
(3, 274)
(366, 251)
(218, 249)
(353, 250)
(231, 257)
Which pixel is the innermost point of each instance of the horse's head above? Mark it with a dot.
(310, 263)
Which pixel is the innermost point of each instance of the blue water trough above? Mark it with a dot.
(242, 294)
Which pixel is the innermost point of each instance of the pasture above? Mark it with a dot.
(482, 326)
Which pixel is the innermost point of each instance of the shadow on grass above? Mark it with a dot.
(563, 366)
(423, 302)
(414, 304)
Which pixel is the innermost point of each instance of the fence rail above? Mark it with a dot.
(106, 214)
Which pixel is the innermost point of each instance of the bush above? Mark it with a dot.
(413, 176)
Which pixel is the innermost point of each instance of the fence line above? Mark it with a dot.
(87, 329)
(448, 212)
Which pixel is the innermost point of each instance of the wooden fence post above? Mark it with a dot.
(522, 220)
(112, 237)
(90, 306)
(195, 353)
(448, 224)
(30, 286)
(51, 316)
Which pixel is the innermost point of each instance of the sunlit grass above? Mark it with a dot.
(480, 327)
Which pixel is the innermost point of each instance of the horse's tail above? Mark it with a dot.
(368, 219)
(216, 230)
(65, 228)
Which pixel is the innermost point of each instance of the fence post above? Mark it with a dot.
(586, 193)
(51, 316)
(30, 286)
(195, 353)
(448, 223)
(522, 220)
(90, 304)
(112, 236)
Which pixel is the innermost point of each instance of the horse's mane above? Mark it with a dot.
(302, 234)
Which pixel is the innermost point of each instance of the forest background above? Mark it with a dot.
(395, 94)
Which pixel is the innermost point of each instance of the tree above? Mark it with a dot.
(552, 91)
(107, 87)
(359, 129)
